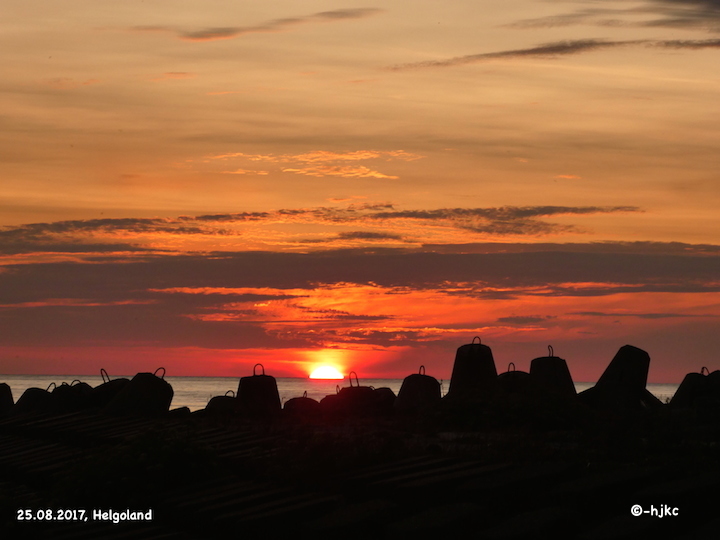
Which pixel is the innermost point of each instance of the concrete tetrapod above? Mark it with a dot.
(693, 387)
(474, 374)
(6, 399)
(550, 376)
(258, 394)
(145, 395)
(419, 392)
(226, 405)
(34, 400)
(621, 388)
(303, 408)
(104, 393)
(71, 397)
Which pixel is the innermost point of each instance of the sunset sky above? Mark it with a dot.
(207, 185)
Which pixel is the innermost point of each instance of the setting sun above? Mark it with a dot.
(326, 372)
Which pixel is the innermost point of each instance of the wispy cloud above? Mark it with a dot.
(275, 25)
(688, 14)
(358, 155)
(108, 225)
(506, 220)
(322, 156)
(363, 236)
(245, 171)
(77, 236)
(566, 19)
(690, 43)
(340, 170)
(320, 163)
(558, 49)
(546, 50)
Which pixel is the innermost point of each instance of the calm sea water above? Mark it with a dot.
(195, 392)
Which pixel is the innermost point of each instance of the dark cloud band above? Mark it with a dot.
(546, 50)
(557, 49)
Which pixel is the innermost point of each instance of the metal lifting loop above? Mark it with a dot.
(104, 374)
(551, 352)
(158, 369)
(479, 340)
(513, 366)
(422, 370)
(305, 394)
(356, 378)
(51, 384)
(261, 366)
(76, 381)
(230, 392)
(705, 371)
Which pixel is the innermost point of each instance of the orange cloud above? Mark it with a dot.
(344, 171)
(323, 155)
(251, 157)
(321, 163)
(318, 156)
(243, 171)
(351, 315)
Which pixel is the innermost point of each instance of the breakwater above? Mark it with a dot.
(508, 460)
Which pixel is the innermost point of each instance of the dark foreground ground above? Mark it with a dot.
(474, 473)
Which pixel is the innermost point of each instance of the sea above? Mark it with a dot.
(196, 392)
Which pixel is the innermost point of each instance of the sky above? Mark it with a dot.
(208, 185)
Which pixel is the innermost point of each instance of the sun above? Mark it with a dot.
(326, 372)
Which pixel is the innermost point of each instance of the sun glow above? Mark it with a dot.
(326, 372)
